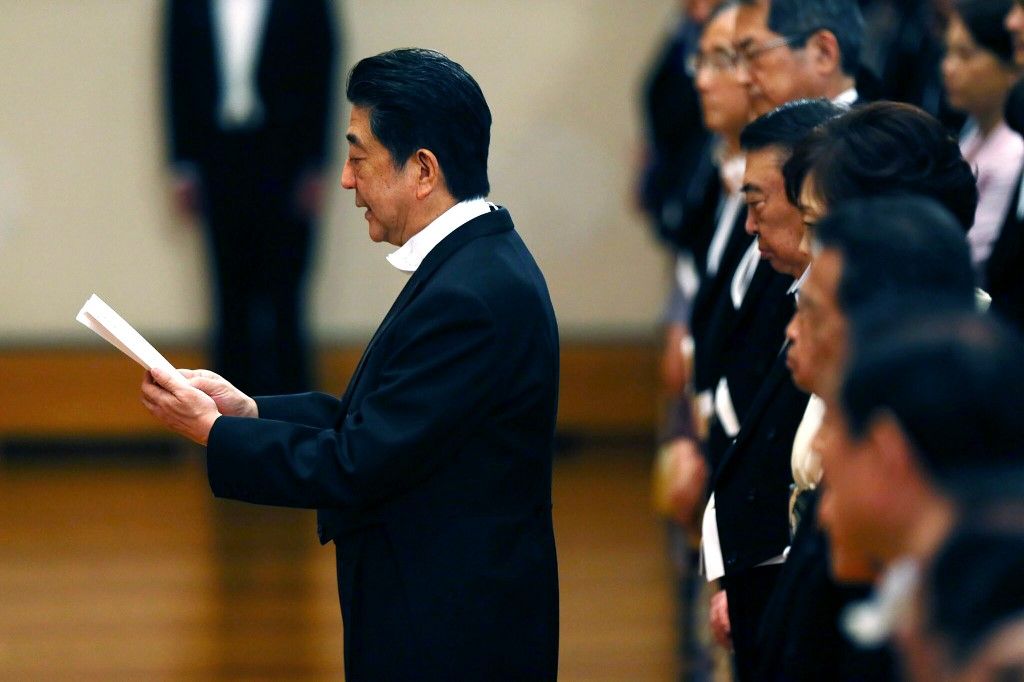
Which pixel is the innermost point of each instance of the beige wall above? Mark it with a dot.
(82, 188)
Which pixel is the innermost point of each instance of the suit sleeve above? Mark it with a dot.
(438, 380)
(310, 409)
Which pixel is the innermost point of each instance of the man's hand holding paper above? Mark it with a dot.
(177, 404)
(230, 400)
(190, 400)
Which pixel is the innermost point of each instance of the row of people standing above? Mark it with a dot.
(748, 445)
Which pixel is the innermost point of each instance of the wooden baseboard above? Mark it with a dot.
(94, 392)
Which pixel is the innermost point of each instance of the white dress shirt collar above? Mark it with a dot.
(794, 288)
(846, 97)
(411, 254)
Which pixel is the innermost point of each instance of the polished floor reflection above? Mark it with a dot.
(123, 567)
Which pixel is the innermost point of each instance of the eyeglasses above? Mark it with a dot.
(746, 54)
(719, 61)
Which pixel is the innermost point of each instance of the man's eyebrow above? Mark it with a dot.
(353, 139)
(750, 187)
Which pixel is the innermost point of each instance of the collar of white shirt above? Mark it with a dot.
(799, 282)
(409, 257)
(846, 97)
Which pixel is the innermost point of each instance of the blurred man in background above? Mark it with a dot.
(248, 88)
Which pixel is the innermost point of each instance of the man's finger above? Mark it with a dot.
(167, 380)
(203, 385)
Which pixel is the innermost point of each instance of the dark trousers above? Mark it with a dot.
(748, 593)
(260, 251)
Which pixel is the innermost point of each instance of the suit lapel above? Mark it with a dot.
(765, 395)
(763, 279)
(488, 223)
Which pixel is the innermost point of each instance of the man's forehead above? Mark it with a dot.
(751, 23)
(716, 35)
(764, 163)
(359, 133)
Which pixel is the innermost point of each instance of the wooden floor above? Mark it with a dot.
(124, 568)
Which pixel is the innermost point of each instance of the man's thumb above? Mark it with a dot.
(164, 379)
(204, 384)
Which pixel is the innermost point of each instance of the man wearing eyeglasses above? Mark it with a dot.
(798, 49)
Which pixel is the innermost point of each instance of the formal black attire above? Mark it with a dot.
(675, 133)
(747, 343)
(710, 318)
(259, 241)
(432, 473)
(1004, 271)
(751, 488)
(800, 637)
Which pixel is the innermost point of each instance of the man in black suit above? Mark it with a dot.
(248, 89)
(799, 49)
(745, 528)
(432, 473)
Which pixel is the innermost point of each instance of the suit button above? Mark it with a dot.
(771, 434)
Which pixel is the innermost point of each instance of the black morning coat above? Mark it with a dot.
(432, 473)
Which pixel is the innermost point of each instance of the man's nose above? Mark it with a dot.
(742, 72)
(791, 328)
(750, 225)
(348, 178)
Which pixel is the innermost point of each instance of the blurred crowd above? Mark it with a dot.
(842, 459)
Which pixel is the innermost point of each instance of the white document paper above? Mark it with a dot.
(101, 318)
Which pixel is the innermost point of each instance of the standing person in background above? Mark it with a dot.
(979, 71)
(799, 49)
(720, 242)
(673, 132)
(745, 524)
(903, 50)
(248, 92)
(726, 111)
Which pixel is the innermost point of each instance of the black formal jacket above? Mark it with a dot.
(1004, 271)
(674, 128)
(749, 341)
(432, 473)
(294, 80)
(751, 482)
(713, 313)
(800, 637)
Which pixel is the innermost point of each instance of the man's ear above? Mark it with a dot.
(894, 453)
(825, 52)
(428, 172)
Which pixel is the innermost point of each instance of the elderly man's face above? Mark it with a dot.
(386, 192)
(1015, 25)
(771, 70)
(775, 222)
(817, 332)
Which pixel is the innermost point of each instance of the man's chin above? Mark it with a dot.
(760, 106)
